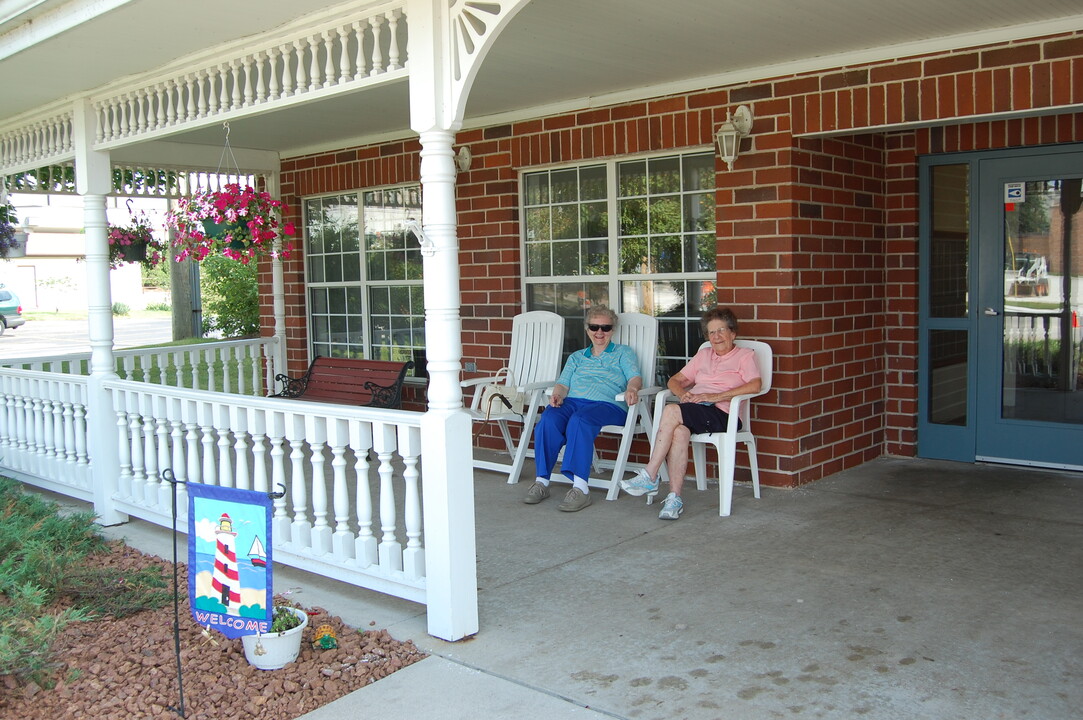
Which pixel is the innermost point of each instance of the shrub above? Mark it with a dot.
(159, 307)
(120, 308)
(230, 297)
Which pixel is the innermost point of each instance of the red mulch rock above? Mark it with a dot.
(124, 669)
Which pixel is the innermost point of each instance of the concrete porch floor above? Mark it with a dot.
(899, 589)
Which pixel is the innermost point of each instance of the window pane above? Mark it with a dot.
(666, 254)
(566, 258)
(565, 222)
(539, 259)
(565, 185)
(596, 257)
(538, 225)
(665, 215)
(594, 221)
(592, 183)
(632, 178)
(699, 172)
(949, 241)
(536, 189)
(665, 175)
(699, 212)
(948, 377)
(633, 217)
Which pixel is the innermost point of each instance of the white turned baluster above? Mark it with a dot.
(190, 104)
(161, 99)
(390, 547)
(299, 77)
(129, 115)
(124, 113)
(79, 412)
(329, 57)
(102, 113)
(377, 51)
(226, 477)
(321, 531)
(343, 540)
(191, 439)
(139, 468)
(171, 93)
(273, 88)
(124, 483)
(48, 422)
(281, 519)
(202, 79)
(162, 432)
(228, 359)
(300, 528)
(237, 418)
(365, 544)
(141, 110)
(261, 66)
(393, 50)
(150, 459)
(214, 91)
(287, 74)
(69, 433)
(59, 449)
(249, 82)
(413, 557)
(209, 471)
(344, 56)
(259, 461)
(313, 62)
(179, 462)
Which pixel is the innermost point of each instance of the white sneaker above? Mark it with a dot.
(672, 507)
(641, 484)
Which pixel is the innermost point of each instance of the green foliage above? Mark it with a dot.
(159, 307)
(120, 308)
(230, 297)
(42, 558)
(283, 619)
(157, 276)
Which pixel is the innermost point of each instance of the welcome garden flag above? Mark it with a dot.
(229, 559)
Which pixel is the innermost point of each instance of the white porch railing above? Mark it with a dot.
(245, 367)
(352, 477)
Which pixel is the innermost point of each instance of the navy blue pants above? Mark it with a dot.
(576, 423)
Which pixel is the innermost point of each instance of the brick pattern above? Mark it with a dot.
(817, 236)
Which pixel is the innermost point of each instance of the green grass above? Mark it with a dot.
(43, 558)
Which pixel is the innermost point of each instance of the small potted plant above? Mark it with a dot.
(12, 241)
(134, 242)
(237, 222)
(279, 647)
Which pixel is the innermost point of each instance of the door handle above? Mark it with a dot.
(991, 311)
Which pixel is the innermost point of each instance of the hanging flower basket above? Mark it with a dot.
(12, 242)
(236, 222)
(134, 242)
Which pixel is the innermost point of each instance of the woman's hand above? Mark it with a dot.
(631, 396)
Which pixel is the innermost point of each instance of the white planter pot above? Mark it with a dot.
(20, 251)
(272, 651)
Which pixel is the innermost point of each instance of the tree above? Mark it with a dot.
(230, 297)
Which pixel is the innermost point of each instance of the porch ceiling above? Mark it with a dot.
(555, 54)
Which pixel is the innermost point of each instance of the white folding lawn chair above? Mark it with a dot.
(537, 339)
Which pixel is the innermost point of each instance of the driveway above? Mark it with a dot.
(61, 337)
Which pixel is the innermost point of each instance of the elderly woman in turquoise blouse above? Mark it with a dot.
(581, 403)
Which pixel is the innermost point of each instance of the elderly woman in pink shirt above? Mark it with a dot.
(703, 387)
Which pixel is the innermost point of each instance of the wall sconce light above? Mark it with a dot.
(730, 132)
(428, 247)
(464, 158)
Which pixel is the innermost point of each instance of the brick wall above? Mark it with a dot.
(817, 235)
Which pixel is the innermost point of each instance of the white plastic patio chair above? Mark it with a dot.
(640, 332)
(537, 339)
(725, 443)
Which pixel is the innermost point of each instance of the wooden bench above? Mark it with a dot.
(349, 381)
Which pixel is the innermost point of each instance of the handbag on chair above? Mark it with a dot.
(499, 398)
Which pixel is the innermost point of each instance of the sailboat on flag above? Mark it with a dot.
(256, 554)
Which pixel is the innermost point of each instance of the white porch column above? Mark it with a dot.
(94, 181)
(278, 292)
(447, 43)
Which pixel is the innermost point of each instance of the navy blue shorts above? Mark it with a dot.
(704, 418)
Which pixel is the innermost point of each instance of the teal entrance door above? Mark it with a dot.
(1002, 300)
(1030, 380)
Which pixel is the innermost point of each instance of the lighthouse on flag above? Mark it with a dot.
(226, 580)
(230, 594)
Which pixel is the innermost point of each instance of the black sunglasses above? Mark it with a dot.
(603, 328)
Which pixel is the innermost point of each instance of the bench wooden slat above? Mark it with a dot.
(349, 381)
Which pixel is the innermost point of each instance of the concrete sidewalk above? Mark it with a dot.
(899, 589)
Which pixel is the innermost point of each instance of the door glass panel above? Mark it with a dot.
(947, 377)
(1043, 301)
(949, 241)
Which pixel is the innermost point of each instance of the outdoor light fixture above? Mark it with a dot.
(464, 158)
(728, 137)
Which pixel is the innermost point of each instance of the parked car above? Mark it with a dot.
(11, 310)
